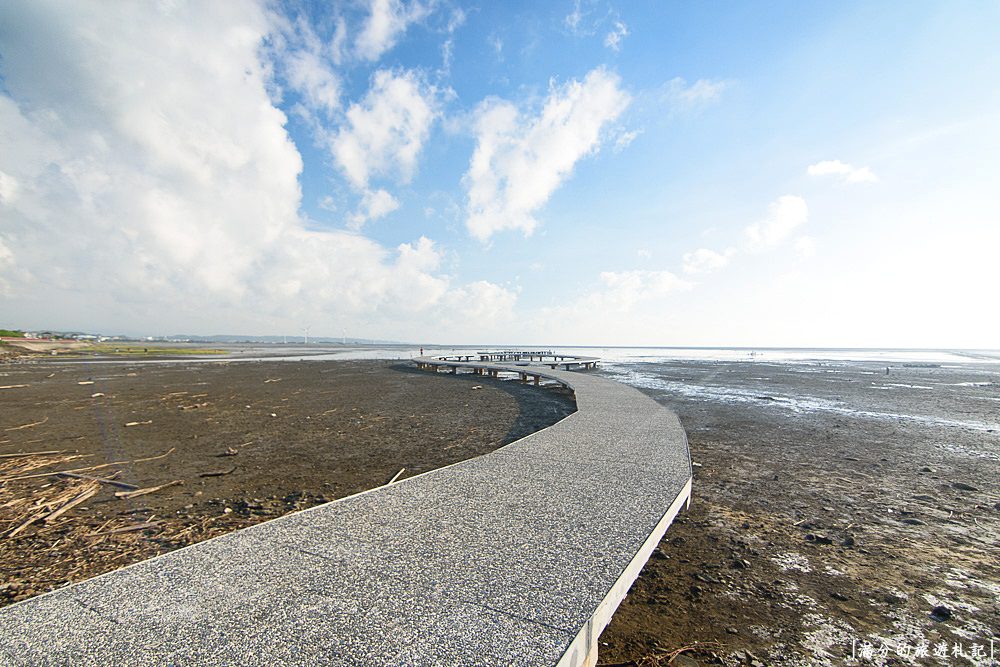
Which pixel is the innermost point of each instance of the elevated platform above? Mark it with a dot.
(518, 557)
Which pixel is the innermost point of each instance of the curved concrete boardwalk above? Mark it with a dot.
(518, 557)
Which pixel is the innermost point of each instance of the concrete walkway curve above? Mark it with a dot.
(518, 557)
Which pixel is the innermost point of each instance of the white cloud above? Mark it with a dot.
(519, 161)
(614, 38)
(625, 139)
(306, 64)
(614, 309)
(497, 44)
(328, 203)
(680, 94)
(703, 260)
(483, 301)
(387, 21)
(623, 289)
(383, 134)
(847, 173)
(156, 188)
(314, 79)
(784, 216)
(573, 19)
(374, 205)
(338, 44)
(8, 188)
(805, 246)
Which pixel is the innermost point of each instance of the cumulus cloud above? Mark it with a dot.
(483, 301)
(703, 260)
(846, 172)
(375, 204)
(383, 133)
(521, 159)
(387, 21)
(320, 86)
(149, 182)
(614, 38)
(306, 63)
(784, 216)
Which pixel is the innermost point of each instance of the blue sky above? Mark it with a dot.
(787, 174)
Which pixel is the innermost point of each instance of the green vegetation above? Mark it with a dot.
(11, 333)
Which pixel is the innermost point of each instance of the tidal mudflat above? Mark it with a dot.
(198, 449)
(839, 513)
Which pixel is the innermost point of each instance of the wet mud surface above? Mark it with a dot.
(244, 442)
(839, 516)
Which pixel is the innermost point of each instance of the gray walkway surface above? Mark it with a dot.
(518, 557)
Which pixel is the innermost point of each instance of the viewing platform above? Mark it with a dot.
(517, 557)
(518, 357)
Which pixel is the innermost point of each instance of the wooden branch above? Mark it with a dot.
(216, 473)
(54, 452)
(23, 426)
(125, 495)
(128, 529)
(396, 476)
(86, 495)
(89, 468)
(103, 480)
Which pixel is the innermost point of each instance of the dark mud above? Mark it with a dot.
(839, 516)
(284, 435)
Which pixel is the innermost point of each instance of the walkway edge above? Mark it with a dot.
(584, 649)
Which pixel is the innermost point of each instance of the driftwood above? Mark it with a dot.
(85, 495)
(88, 468)
(102, 480)
(396, 476)
(216, 473)
(128, 529)
(23, 426)
(13, 386)
(125, 495)
(66, 503)
(149, 421)
(53, 452)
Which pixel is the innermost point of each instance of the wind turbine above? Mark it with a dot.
(305, 336)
